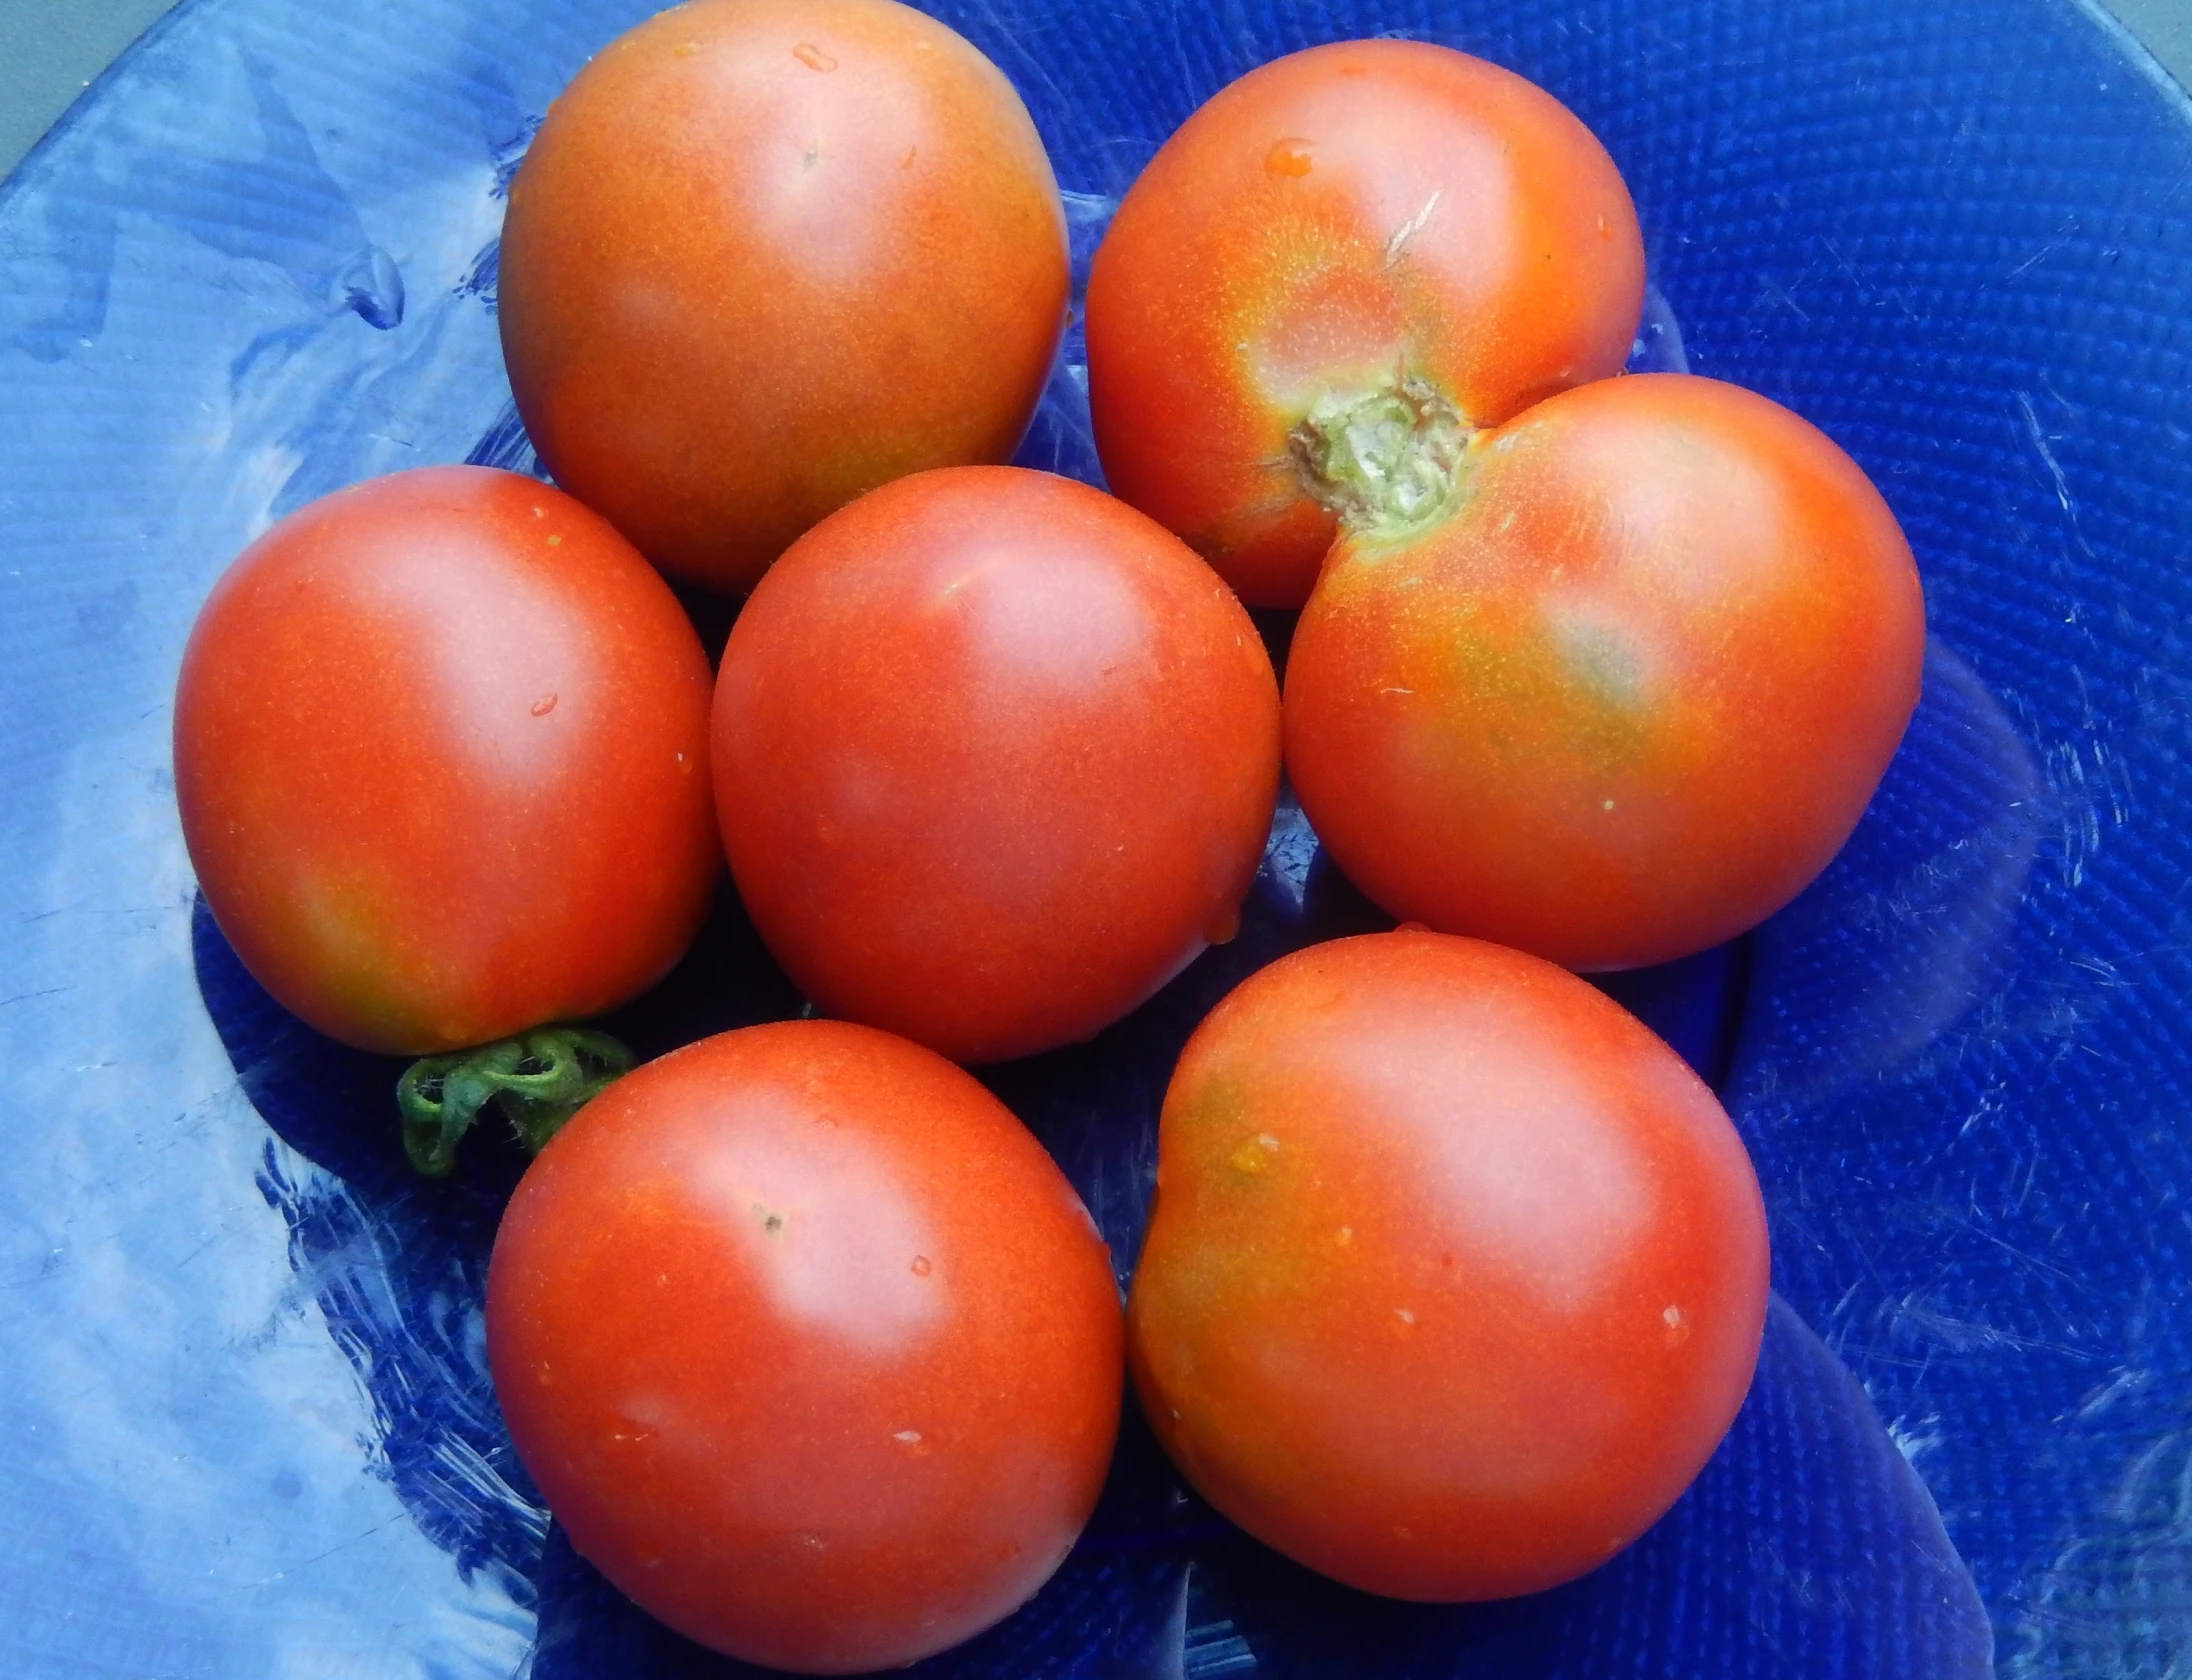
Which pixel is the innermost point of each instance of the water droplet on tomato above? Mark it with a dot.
(544, 705)
(813, 57)
(1289, 158)
(1223, 926)
(1678, 1327)
(920, 1265)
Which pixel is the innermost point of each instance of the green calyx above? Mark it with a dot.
(1385, 464)
(539, 1079)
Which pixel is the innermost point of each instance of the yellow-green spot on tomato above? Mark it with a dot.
(1254, 1155)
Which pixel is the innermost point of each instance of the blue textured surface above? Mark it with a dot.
(245, 1430)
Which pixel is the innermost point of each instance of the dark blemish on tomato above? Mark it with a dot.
(771, 1221)
(906, 162)
(813, 57)
(1288, 158)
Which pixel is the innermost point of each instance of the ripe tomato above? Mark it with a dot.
(1456, 1275)
(767, 254)
(1630, 696)
(995, 757)
(440, 748)
(1334, 270)
(809, 1346)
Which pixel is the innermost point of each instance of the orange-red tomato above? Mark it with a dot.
(810, 1347)
(441, 752)
(1336, 268)
(1629, 695)
(767, 254)
(995, 757)
(1456, 1275)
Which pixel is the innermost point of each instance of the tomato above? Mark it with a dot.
(1456, 1275)
(767, 254)
(809, 1346)
(1629, 695)
(441, 753)
(1336, 269)
(995, 757)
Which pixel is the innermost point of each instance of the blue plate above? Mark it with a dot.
(245, 1427)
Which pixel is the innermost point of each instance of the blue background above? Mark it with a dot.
(245, 1428)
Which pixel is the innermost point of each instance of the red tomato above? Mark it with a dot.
(1631, 696)
(767, 254)
(1334, 270)
(1456, 1275)
(995, 757)
(440, 747)
(809, 1346)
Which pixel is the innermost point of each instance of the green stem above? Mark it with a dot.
(539, 1079)
(1386, 464)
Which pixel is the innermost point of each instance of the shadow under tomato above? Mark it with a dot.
(1112, 1612)
(1807, 1535)
(397, 1262)
(1807, 1548)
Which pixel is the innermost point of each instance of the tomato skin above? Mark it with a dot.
(1631, 697)
(995, 756)
(1327, 222)
(810, 1347)
(441, 756)
(1456, 1275)
(765, 255)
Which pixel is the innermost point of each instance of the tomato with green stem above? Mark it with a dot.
(441, 756)
(1339, 267)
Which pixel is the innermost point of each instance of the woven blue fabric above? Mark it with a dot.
(245, 1426)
